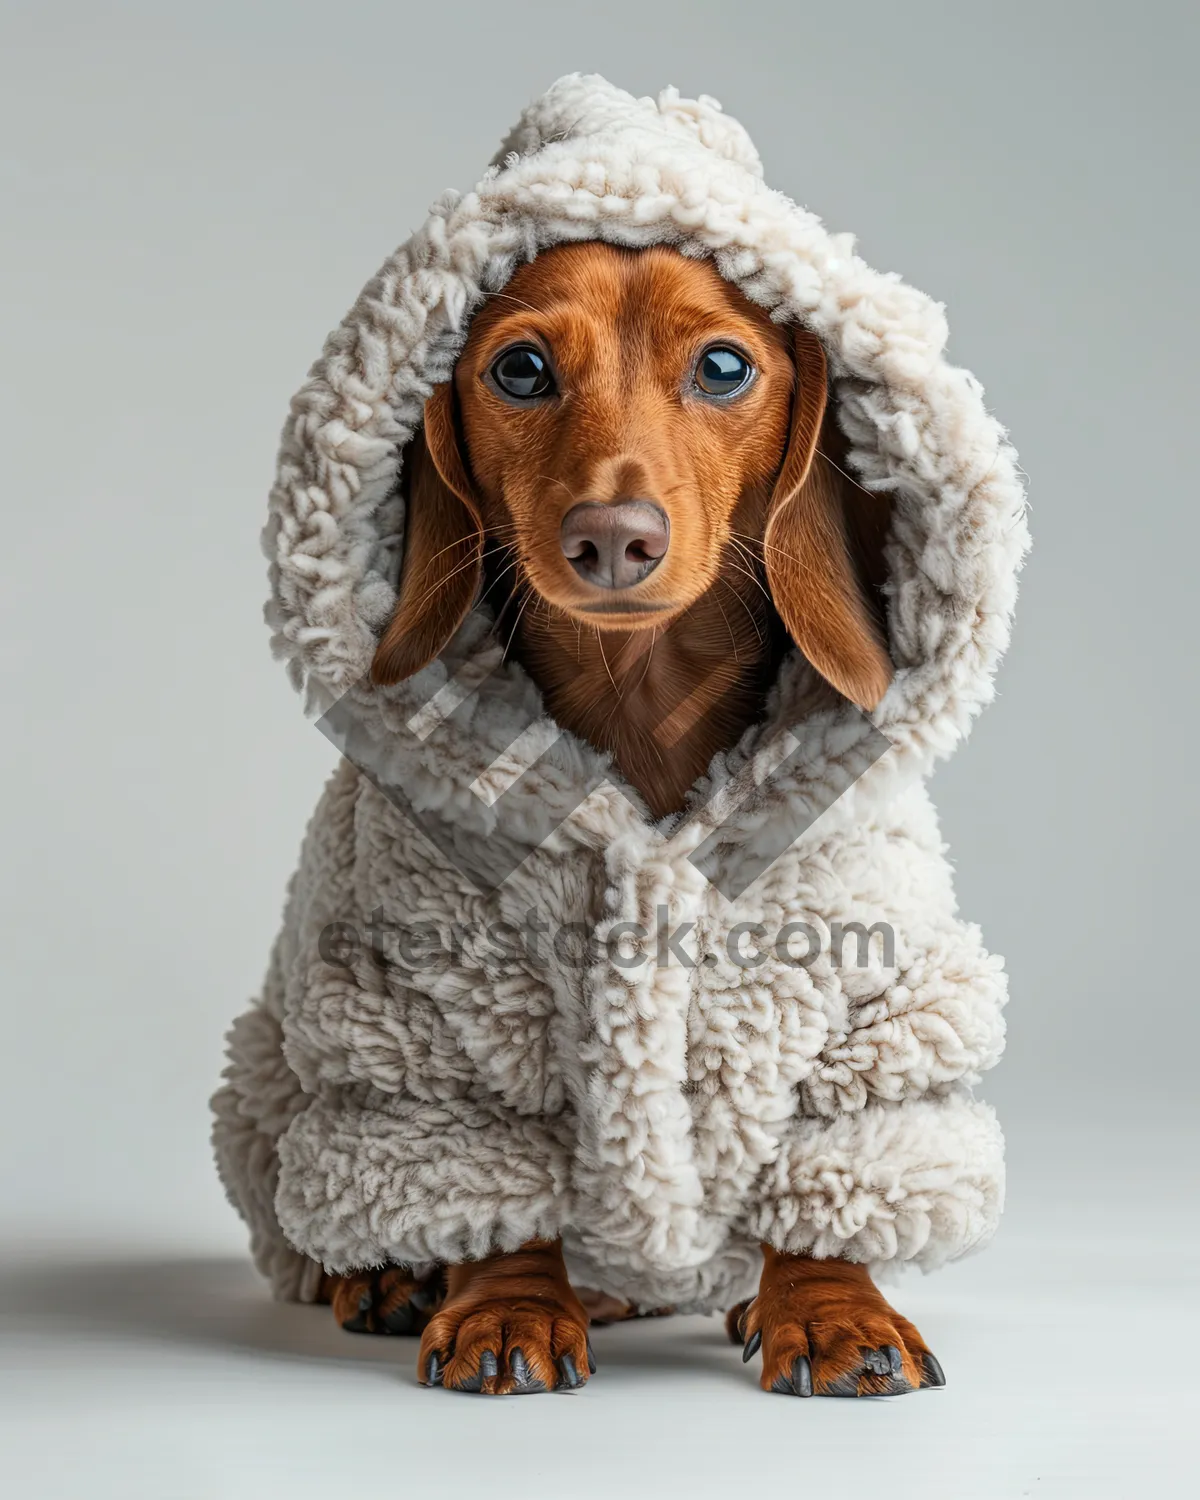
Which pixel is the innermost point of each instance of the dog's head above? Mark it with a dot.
(625, 424)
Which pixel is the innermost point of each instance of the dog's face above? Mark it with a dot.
(619, 409)
(627, 423)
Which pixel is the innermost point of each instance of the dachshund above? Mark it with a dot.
(641, 473)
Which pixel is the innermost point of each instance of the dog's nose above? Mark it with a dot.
(615, 546)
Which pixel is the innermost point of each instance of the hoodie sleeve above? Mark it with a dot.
(890, 1157)
(352, 1128)
(258, 1100)
(261, 1094)
(921, 1181)
(935, 1019)
(366, 1178)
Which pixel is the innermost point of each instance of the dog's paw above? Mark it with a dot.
(864, 1356)
(499, 1346)
(826, 1330)
(388, 1300)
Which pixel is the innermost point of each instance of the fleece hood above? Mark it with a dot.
(589, 161)
(663, 1112)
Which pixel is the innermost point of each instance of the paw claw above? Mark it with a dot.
(489, 1365)
(568, 1372)
(524, 1383)
(797, 1381)
(433, 1370)
(895, 1362)
(591, 1358)
(751, 1346)
(932, 1375)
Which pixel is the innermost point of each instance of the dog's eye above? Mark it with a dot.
(723, 371)
(521, 372)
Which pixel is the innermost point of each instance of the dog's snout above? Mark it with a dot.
(615, 546)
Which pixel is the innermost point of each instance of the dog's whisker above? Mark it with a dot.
(517, 621)
(749, 572)
(441, 552)
(649, 655)
(512, 566)
(740, 540)
(607, 668)
(749, 615)
(752, 563)
(440, 583)
(806, 567)
(750, 577)
(729, 628)
(833, 464)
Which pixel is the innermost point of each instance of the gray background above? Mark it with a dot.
(192, 195)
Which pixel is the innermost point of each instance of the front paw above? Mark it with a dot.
(824, 1329)
(507, 1345)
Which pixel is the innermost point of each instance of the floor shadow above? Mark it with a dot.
(214, 1301)
(220, 1303)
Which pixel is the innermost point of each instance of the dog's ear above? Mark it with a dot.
(809, 566)
(443, 548)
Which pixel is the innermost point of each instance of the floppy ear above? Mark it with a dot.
(443, 548)
(807, 556)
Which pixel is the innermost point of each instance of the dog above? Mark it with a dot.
(642, 475)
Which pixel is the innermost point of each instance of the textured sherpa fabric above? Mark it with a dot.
(663, 1119)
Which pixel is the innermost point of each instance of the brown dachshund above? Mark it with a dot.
(637, 469)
